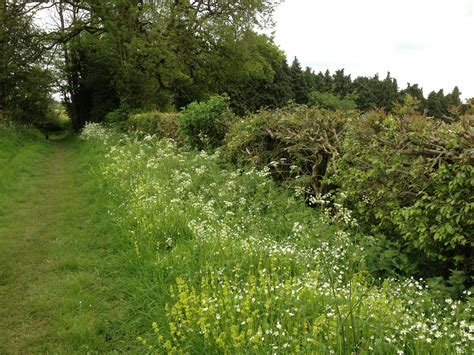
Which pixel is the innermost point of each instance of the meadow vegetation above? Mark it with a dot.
(238, 264)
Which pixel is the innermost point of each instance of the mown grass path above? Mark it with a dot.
(59, 272)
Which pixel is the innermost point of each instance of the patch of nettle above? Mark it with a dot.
(246, 266)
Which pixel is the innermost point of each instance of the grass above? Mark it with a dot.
(62, 277)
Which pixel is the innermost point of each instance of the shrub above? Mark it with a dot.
(204, 125)
(331, 102)
(298, 143)
(164, 125)
(117, 116)
(411, 179)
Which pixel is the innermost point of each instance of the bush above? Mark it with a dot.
(204, 125)
(411, 178)
(331, 102)
(164, 125)
(117, 116)
(298, 143)
(407, 178)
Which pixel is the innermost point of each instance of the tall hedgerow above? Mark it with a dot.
(410, 178)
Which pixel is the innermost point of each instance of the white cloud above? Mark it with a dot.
(428, 42)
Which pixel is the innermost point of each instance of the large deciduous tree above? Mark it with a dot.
(24, 80)
(160, 53)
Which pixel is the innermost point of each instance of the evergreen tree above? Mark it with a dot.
(414, 91)
(309, 79)
(375, 93)
(454, 98)
(366, 90)
(300, 87)
(437, 105)
(341, 84)
(388, 93)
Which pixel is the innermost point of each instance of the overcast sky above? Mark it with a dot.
(428, 42)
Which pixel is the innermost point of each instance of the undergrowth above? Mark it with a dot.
(229, 262)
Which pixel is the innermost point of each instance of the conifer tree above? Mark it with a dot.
(436, 105)
(300, 87)
(341, 84)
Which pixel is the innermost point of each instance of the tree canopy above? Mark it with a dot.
(128, 55)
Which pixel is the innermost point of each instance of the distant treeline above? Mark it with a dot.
(367, 92)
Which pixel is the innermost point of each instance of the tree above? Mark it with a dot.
(255, 74)
(455, 106)
(323, 82)
(388, 93)
(341, 84)
(165, 52)
(366, 89)
(24, 80)
(436, 105)
(331, 102)
(415, 92)
(375, 93)
(301, 87)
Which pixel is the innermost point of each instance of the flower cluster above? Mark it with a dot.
(95, 131)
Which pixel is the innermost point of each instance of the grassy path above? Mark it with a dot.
(59, 270)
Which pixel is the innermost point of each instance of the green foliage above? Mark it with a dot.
(342, 84)
(90, 80)
(233, 263)
(164, 125)
(297, 143)
(19, 149)
(324, 82)
(204, 125)
(410, 179)
(449, 203)
(330, 101)
(29, 102)
(373, 93)
(416, 93)
(24, 81)
(445, 107)
(56, 120)
(163, 55)
(117, 116)
(299, 82)
(409, 105)
(254, 72)
(436, 105)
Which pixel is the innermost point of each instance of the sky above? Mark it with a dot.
(427, 42)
